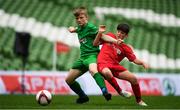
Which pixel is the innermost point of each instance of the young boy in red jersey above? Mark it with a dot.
(110, 56)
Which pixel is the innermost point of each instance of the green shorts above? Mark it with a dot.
(82, 63)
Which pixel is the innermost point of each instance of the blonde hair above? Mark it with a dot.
(80, 10)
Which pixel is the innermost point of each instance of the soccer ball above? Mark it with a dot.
(43, 97)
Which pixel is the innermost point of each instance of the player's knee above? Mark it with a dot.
(67, 81)
(92, 72)
(134, 80)
(93, 69)
(72, 75)
(108, 76)
(106, 73)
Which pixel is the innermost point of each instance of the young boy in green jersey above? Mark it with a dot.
(88, 56)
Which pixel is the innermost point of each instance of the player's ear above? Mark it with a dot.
(126, 35)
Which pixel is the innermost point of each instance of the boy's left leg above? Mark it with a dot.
(126, 75)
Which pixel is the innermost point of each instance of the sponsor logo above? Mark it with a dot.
(35, 83)
(83, 40)
(118, 51)
(169, 87)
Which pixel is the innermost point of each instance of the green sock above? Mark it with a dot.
(100, 82)
(77, 89)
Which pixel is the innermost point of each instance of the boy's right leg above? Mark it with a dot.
(109, 77)
(99, 80)
(74, 85)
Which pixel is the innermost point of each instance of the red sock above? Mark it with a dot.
(115, 85)
(137, 92)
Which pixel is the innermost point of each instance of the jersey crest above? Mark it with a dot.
(118, 51)
(83, 40)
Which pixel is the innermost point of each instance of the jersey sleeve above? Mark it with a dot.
(93, 31)
(111, 35)
(129, 54)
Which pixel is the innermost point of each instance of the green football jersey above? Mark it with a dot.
(86, 36)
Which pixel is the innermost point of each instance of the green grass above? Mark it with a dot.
(96, 102)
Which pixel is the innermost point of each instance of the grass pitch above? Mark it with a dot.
(96, 102)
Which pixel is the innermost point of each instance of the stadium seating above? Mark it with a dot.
(155, 41)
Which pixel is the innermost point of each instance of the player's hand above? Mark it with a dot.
(71, 29)
(145, 65)
(119, 41)
(102, 28)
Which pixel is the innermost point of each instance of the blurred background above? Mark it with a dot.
(155, 36)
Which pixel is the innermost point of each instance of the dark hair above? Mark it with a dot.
(123, 27)
(80, 10)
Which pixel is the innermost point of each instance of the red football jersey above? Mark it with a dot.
(113, 54)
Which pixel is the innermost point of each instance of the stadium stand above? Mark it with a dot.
(154, 35)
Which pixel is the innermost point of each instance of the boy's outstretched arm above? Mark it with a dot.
(100, 35)
(140, 62)
(102, 28)
(71, 29)
(96, 41)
